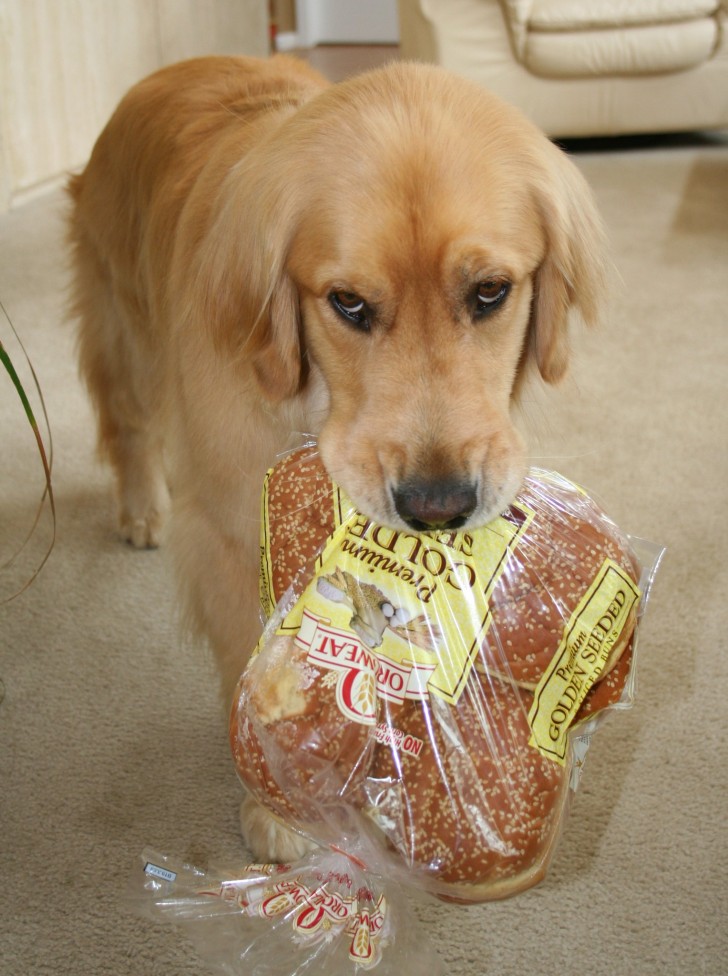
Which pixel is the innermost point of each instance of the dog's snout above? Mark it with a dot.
(440, 504)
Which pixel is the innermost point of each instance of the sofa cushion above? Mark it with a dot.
(578, 15)
(570, 38)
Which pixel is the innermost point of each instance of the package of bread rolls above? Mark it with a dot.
(436, 687)
(419, 707)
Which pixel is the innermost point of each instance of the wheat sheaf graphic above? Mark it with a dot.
(373, 612)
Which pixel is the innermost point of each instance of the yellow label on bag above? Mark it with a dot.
(589, 637)
(411, 609)
(339, 509)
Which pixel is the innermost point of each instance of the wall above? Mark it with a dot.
(284, 14)
(346, 22)
(308, 23)
(64, 64)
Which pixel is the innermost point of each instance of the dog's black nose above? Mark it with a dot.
(440, 504)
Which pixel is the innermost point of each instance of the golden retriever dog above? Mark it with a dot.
(259, 255)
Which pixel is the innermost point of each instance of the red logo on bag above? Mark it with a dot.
(362, 674)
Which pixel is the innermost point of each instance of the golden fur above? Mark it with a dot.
(224, 205)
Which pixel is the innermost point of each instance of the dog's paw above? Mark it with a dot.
(143, 509)
(143, 531)
(267, 838)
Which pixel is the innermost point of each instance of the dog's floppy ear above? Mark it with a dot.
(572, 274)
(243, 293)
(276, 352)
(275, 343)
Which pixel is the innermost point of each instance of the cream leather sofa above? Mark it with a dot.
(584, 67)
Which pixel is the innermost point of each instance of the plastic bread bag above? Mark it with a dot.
(419, 706)
(435, 686)
(324, 916)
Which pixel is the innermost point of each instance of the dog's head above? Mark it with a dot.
(412, 243)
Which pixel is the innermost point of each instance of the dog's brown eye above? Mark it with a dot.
(489, 295)
(351, 307)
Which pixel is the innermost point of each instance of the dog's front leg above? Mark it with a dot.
(218, 573)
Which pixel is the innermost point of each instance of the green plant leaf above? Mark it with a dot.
(46, 458)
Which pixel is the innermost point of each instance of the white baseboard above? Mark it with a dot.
(287, 41)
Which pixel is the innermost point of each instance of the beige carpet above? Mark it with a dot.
(110, 734)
